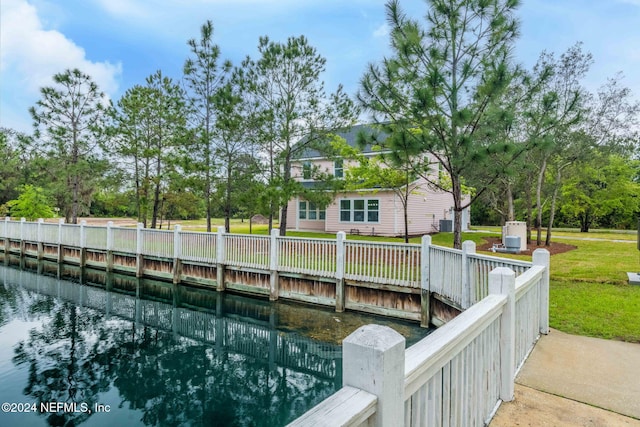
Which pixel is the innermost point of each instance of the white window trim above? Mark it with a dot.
(336, 169)
(307, 210)
(351, 210)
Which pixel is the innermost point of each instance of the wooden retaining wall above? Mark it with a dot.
(400, 302)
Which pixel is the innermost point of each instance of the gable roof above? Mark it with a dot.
(350, 135)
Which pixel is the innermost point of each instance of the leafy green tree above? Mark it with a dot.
(69, 122)
(554, 117)
(388, 170)
(602, 187)
(439, 84)
(133, 142)
(151, 136)
(16, 165)
(291, 111)
(576, 121)
(234, 148)
(205, 77)
(32, 203)
(169, 135)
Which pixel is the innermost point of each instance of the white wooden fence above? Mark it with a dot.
(459, 275)
(456, 376)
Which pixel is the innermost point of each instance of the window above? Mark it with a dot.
(306, 170)
(302, 210)
(359, 210)
(338, 168)
(309, 211)
(345, 210)
(372, 210)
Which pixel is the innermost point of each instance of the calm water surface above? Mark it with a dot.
(143, 355)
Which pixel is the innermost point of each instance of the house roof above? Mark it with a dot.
(351, 136)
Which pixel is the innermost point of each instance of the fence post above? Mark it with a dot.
(502, 281)
(109, 254)
(60, 245)
(220, 259)
(7, 243)
(468, 247)
(543, 257)
(39, 238)
(22, 245)
(177, 254)
(83, 243)
(373, 361)
(340, 249)
(425, 290)
(139, 247)
(273, 265)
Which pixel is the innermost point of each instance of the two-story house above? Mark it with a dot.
(374, 211)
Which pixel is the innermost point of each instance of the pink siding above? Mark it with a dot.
(386, 215)
(325, 166)
(294, 223)
(426, 208)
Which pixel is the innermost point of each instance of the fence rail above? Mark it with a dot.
(458, 375)
(459, 275)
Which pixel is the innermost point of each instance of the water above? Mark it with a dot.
(74, 354)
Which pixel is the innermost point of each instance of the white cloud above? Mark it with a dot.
(382, 30)
(125, 8)
(33, 54)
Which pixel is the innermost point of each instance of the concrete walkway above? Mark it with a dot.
(571, 380)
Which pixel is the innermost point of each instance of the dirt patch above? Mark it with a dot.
(555, 248)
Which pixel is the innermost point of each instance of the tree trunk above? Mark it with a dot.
(405, 205)
(552, 212)
(528, 197)
(227, 202)
(543, 169)
(75, 190)
(156, 204)
(286, 182)
(457, 212)
(511, 216)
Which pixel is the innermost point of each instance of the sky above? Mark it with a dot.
(121, 42)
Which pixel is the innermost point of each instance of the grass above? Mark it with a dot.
(589, 290)
(601, 310)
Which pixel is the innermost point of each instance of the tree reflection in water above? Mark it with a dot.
(78, 353)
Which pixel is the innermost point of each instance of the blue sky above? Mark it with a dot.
(121, 42)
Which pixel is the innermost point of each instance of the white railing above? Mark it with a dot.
(198, 247)
(125, 240)
(457, 375)
(49, 233)
(247, 251)
(461, 276)
(445, 273)
(479, 267)
(307, 256)
(386, 263)
(70, 235)
(157, 243)
(29, 231)
(95, 237)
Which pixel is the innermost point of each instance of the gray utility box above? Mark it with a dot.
(512, 244)
(446, 226)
